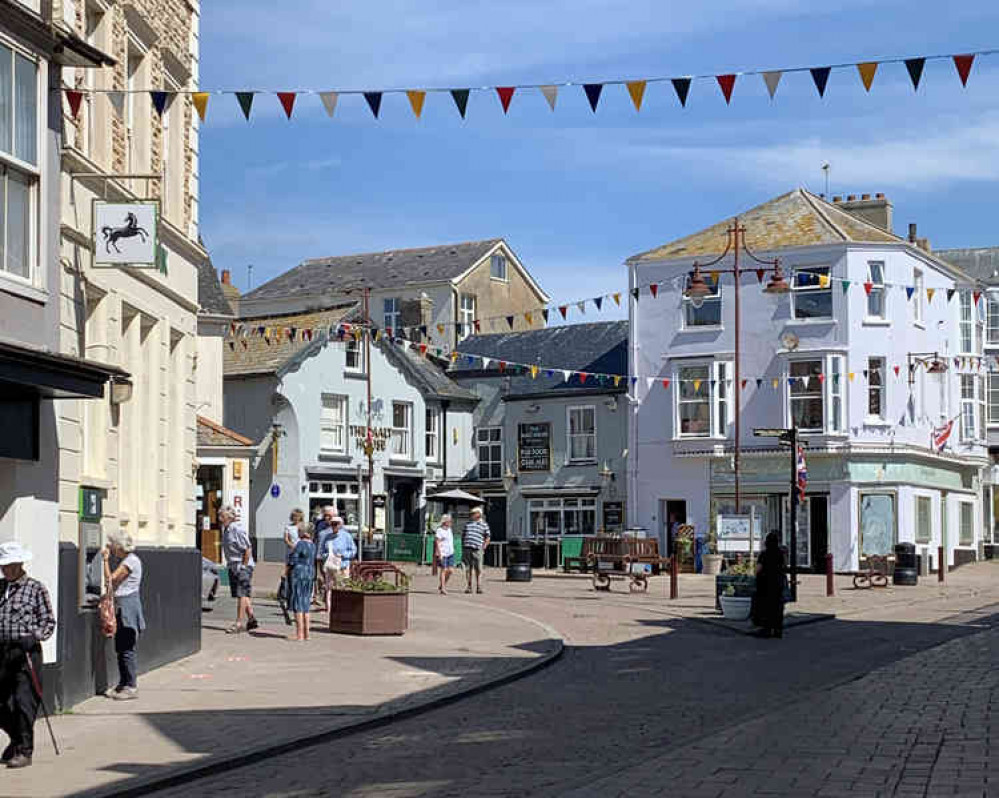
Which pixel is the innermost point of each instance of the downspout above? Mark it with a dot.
(456, 304)
(445, 403)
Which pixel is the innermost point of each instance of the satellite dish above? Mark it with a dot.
(790, 341)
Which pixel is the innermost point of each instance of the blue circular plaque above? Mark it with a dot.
(275, 491)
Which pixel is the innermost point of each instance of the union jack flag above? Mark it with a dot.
(942, 434)
(802, 470)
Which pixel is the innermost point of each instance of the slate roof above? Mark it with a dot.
(796, 219)
(210, 296)
(597, 348)
(212, 434)
(261, 357)
(333, 276)
(981, 263)
(427, 374)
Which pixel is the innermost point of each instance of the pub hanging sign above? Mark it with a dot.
(534, 447)
(126, 234)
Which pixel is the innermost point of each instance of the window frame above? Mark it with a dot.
(918, 308)
(992, 418)
(921, 501)
(495, 258)
(710, 301)
(353, 346)
(878, 292)
(432, 434)
(466, 316)
(798, 289)
(491, 446)
(969, 407)
(969, 505)
(720, 400)
(391, 313)
(831, 390)
(563, 506)
(406, 435)
(708, 399)
(571, 438)
(333, 428)
(992, 318)
(881, 388)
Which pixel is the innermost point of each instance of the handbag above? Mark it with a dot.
(105, 609)
(334, 562)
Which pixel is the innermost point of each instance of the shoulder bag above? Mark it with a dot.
(105, 609)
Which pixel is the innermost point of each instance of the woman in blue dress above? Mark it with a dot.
(301, 573)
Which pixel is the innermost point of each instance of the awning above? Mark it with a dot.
(26, 370)
(457, 496)
(540, 492)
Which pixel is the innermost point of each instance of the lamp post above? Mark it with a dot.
(699, 289)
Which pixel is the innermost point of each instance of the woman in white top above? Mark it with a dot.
(444, 552)
(125, 580)
(291, 531)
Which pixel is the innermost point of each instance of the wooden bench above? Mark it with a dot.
(874, 571)
(630, 558)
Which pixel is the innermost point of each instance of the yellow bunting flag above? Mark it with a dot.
(454, 356)
(534, 372)
(851, 375)
(200, 100)
(867, 71)
(697, 385)
(929, 294)
(440, 329)
(775, 382)
(617, 380)
(416, 99)
(636, 88)
(714, 276)
(529, 317)
(617, 298)
(823, 281)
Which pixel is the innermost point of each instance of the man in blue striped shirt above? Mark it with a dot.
(474, 540)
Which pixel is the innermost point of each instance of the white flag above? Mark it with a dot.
(485, 362)
(117, 100)
(551, 94)
(650, 381)
(329, 101)
(567, 374)
(772, 79)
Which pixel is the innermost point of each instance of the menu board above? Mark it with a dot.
(613, 516)
(534, 447)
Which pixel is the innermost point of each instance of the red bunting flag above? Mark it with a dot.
(868, 287)
(822, 378)
(505, 94)
(666, 384)
(963, 64)
(74, 98)
(760, 275)
(654, 289)
(502, 365)
(287, 99)
(563, 309)
(582, 377)
(744, 383)
(896, 371)
(977, 295)
(727, 83)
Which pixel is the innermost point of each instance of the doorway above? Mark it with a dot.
(208, 530)
(819, 518)
(496, 516)
(671, 511)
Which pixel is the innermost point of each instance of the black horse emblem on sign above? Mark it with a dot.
(130, 230)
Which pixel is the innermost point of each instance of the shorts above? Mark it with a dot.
(446, 562)
(472, 559)
(241, 581)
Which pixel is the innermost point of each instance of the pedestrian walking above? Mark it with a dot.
(239, 560)
(301, 574)
(295, 520)
(444, 552)
(125, 581)
(325, 528)
(474, 541)
(771, 580)
(26, 619)
(339, 552)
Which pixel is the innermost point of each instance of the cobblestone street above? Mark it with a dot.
(649, 703)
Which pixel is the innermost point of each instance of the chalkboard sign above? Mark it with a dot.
(613, 516)
(534, 447)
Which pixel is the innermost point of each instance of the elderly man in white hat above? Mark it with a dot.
(26, 619)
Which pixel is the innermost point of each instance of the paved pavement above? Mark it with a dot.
(245, 692)
(893, 697)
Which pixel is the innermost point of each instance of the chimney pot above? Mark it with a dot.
(865, 196)
(851, 197)
(837, 199)
(226, 277)
(912, 232)
(879, 195)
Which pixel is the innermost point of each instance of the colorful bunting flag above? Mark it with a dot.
(582, 377)
(929, 294)
(851, 375)
(760, 274)
(726, 83)
(963, 64)
(649, 382)
(544, 315)
(460, 97)
(666, 383)
(505, 95)
(529, 318)
(775, 382)
(909, 289)
(534, 372)
(566, 375)
(823, 281)
(200, 100)
(868, 286)
(74, 98)
(682, 88)
(950, 293)
(772, 80)
(914, 66)
(821, 77)
(416, 99)
(617, 298)
(867, 70)
(636, 89)
(551, 95)
(582, 307)
(759, 382)
(563, 309)
(896, 370)
(374, 100)
(287, 99)
(654, 290)
(329, 99)
(617, 380)
(509, 320)
(598, 301)
(161, 100)
(117, 100)
(440, 329)
(245, 100)
(593, 94)
(635, 292)
(846, 285)
(976, 295)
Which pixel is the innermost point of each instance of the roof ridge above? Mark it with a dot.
(322, 259)
(350, 305)
(853, 218)
(822, 214)
(229, 433)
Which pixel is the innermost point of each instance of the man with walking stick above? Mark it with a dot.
(26, 620)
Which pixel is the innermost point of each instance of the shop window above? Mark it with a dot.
(490, 446)
(877, 524)
(582, 434)
(811, 293)
(966, 533)
(552, 518)
(924, 519)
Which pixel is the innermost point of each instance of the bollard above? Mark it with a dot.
(830, 584)
(674, 571)
(941, 564)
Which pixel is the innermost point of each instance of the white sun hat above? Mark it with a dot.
(12, 552)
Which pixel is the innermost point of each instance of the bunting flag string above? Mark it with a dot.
(914, 66)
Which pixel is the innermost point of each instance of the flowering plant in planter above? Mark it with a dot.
(369, 604)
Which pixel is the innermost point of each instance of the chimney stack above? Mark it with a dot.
(877, 211)
(912, 233)
(226, 277)
(230, 292)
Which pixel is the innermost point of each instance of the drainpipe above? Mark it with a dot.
(456, 303)
(445, 403)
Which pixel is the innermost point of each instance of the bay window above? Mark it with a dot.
(970, 325)
(876, 294)
(992, 318)
(811, 293)
(402, 434)
(709, 312)
(18, 163)
(815, 395)
(582, 428)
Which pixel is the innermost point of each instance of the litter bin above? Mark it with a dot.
(906, 565)
(518, 568)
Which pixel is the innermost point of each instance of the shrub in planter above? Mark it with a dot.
(741, 576)
(372, 606)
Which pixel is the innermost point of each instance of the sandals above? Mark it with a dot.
(235, 629)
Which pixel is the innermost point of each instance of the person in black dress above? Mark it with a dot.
(771, 579)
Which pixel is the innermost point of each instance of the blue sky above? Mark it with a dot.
(575, 193)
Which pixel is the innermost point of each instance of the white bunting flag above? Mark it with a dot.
(650, 381)
(485, 362)
(551, 94)
(582, 307)
(772, 79)
(567, 374)
(117, 100)
(329, 99)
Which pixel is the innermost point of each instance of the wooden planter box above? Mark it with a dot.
(358, 613)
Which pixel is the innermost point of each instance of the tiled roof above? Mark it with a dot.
(981, 263)
(795, 219)
(212, 434)
(210, 296)
(265, 354)
(428, 376)
(597, 348)
(333, 276)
